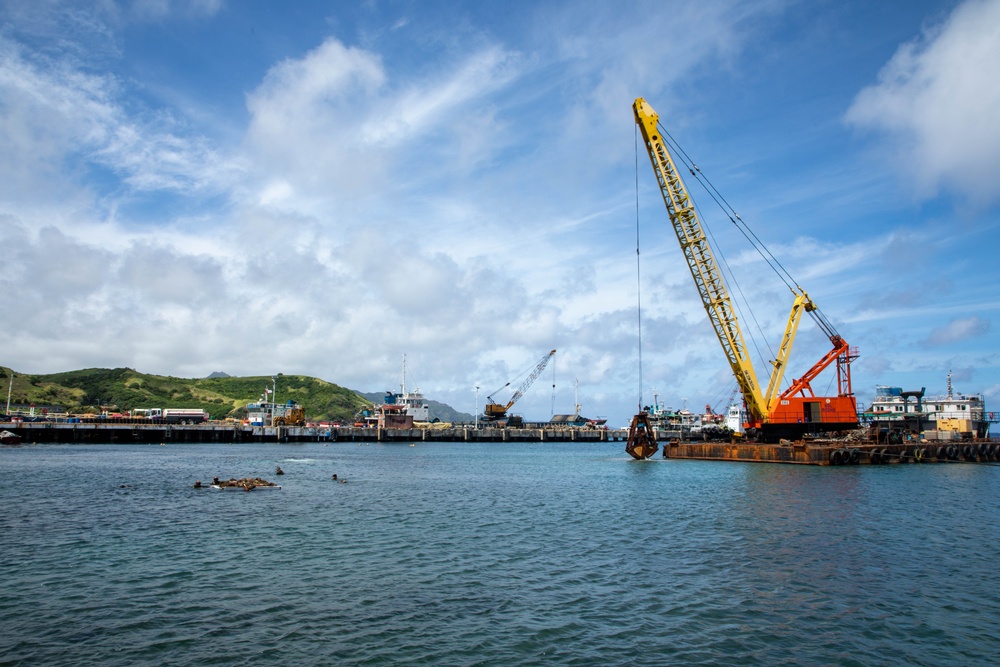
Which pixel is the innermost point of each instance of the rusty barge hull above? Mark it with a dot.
(831, 453)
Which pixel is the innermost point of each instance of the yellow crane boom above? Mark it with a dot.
(700, 259)
(795, 410)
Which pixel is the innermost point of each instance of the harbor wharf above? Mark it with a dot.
(132, 433)
(803, 452)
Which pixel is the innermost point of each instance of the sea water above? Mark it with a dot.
(490, 554)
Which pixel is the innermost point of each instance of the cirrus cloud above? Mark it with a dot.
(958, 330)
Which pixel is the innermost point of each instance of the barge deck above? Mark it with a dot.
(836, 453)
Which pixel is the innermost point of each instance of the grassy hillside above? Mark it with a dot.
(123, 389)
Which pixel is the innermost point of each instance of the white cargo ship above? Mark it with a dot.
(952, 416)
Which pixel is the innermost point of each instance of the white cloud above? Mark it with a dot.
(343, 136)
(159, 9)
(306, 117)
(440, 103)
(45, 117)
(937, 99)
(958, 330)
(54, 114)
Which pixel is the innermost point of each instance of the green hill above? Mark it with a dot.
(122, 389)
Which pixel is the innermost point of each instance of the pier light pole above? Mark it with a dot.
(477, 407)
(11, 387)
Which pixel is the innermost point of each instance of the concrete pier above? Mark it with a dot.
(812, 452)
(58, 432)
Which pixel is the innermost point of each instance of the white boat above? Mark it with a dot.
(959, 415)
(669, 423)
(736, 417)
(409, 403)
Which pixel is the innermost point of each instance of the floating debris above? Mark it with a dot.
(244, 483)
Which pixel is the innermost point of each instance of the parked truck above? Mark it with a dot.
(172, 415)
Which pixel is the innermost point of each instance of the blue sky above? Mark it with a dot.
(320, 188)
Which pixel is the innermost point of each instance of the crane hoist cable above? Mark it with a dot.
(742, 304)
(779, 269)
(731, 213)
(638, 271)
(759, 246)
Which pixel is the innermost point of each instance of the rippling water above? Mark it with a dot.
(491, 554)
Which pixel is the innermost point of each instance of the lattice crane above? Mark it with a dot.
(796, 410)
(495, 411)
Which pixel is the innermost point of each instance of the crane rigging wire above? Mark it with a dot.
(758, 245)
(742, 304)
(745, 312)
(733, 216)
(638, 273)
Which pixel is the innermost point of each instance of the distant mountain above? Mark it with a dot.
(440, 411)
(123, 389)
(218, 374)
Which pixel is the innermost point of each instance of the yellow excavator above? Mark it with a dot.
(495, 412)
(290, 415)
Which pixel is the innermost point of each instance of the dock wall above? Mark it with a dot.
(49, 432)
(814, 452)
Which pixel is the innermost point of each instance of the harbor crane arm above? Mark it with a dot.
(496, 411)
(802, 303)
(842, 353)
(700, 260)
